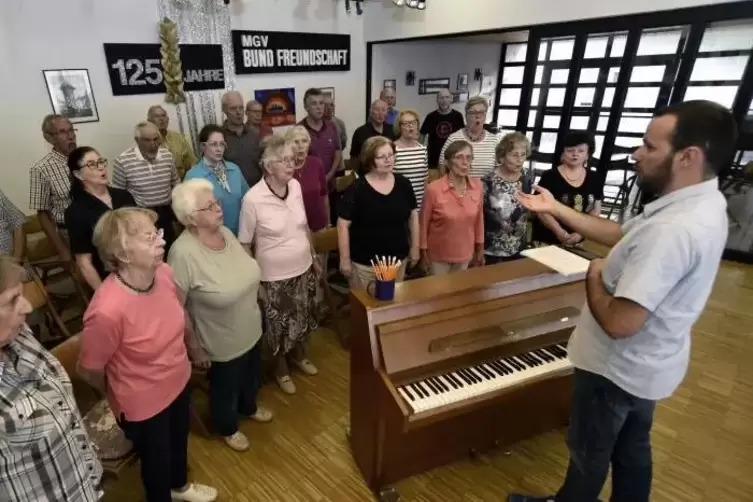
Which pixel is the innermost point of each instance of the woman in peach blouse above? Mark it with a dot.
(452, 218)
(274, 230)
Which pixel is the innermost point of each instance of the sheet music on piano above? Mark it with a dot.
(558, 259)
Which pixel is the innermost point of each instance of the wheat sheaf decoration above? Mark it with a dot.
(172, 70)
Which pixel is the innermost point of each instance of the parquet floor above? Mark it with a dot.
(702, 438)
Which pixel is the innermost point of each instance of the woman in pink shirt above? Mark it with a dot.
(134, 347)
(274, 230)
(311, 174)
(452, 217)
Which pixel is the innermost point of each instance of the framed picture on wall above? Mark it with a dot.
(390, 83)
(462, 82)
(459, 97)
(329, 92)
(71, 95)
(432, 85)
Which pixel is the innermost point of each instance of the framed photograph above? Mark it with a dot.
(462, 82)
(277, 105)
(459, 97)
(432, 85)
(329, 92)
(390, 83)
(71, 95)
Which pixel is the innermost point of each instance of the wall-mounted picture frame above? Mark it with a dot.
(459, 97)
(329, 92)
(392, 83)
(432, 85)
(410, 78)
(462, 81)
(71, 94)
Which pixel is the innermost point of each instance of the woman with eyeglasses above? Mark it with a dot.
(274, 230)
(229, 184)
(378, 216)
(482, 141)
(505, 218)
(219, 282)
(411, 158)
(134, 348)
(91, 198)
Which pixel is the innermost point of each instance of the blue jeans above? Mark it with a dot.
(233, 386)
(607, 425)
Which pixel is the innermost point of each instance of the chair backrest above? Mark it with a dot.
(343, 182)
(36, 294)
(38, 246)
(325, 240)
(67, 353)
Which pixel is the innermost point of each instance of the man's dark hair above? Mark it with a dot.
(575, 138)
(705, 125)
(313, 91)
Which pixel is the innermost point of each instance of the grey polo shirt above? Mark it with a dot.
(666, 262)
(245, 151)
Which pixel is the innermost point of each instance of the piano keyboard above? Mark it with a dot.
(465, 383)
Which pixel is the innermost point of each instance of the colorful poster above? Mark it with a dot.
(278, 106)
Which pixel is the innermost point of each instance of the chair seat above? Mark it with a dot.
(104, 431)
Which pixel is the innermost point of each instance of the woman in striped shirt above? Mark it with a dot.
(482, 141)
(411, 158)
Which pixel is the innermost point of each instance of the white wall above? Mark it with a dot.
(431, 59)
(50, 34)
(385, 21)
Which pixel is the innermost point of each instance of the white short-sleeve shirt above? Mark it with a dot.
(666, 261)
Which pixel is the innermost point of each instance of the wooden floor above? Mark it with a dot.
(702, 438)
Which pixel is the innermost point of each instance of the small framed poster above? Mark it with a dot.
(390, 83)
(432, 85)
(459, 97)
(71, 95)
(329, 92)
(462, 82)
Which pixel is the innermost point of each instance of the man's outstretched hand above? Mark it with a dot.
(541, 201)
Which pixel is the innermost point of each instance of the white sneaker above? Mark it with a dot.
(238, 441)
(195, 493)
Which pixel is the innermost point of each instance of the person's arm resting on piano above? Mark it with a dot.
(658, 259)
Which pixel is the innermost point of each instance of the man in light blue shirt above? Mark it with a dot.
(388, 96)
(632, 344)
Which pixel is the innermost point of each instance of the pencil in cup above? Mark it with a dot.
(386, 268)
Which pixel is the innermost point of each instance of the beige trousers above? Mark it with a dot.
(362, 275)
(443, 267)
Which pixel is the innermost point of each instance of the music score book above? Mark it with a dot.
(558, 259)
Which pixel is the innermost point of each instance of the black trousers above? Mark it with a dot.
(493, 260)
(233, 386)
(161, 442)
(165, 219)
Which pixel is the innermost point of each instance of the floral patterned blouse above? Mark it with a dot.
(505, 220)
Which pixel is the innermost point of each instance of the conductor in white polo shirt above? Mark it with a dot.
(147, 170)
(632, 344)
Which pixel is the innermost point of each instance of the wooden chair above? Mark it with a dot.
(37, 296)
(114, 450)
(343, 182)
(325, 242)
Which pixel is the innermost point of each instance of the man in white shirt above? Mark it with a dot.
(632, 345)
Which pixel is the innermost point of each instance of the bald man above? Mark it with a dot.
(243, 146)
(183, 153)
(439, 124)
(388, 96)
(376, 126)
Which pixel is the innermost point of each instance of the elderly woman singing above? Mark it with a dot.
(134, 347)
(275, 231)
(220, 283)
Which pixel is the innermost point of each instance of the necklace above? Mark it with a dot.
(281, 197)
(574, 180)
(134, 288)
(460, 190)
(475, 138)
(506, 177)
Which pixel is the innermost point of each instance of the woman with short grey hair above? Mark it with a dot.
(482, 141)
(220, 284)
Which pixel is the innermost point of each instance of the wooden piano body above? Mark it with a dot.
(440, 324)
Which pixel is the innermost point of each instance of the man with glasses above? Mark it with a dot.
(439, 124)
(50, 186)
(147, 170)
(243, 143)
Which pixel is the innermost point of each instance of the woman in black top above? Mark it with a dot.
(378, 216)
(573, 184)
(92, 197)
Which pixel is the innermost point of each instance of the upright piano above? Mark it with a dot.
(457, 365)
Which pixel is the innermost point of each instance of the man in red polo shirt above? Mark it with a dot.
(325, 142)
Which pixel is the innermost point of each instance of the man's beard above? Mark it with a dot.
(655, 184)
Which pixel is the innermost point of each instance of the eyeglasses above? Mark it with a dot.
(95, 164)
(217, 144)
(389, 156)
(212, 206)
(477, 113)
(284, 160)
(155, 236)
(409, 123)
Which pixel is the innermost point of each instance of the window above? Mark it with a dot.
(732, 36)
(659, 42)
(515, 53)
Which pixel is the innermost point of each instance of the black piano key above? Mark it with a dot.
(505, 363)
(418, 392)
(427, 392)
(408, 393)
(502, 367)
(539, 361)
(430, 386)
(525, 360)
(455, 377)
(473, 378)
(481, 376)
(522, 362)
(466, 379)
(483, 371)
(438, 384)
(497, 368)
(448, 377)
(556, 351)
(543, 355)
(512, 362)
(447, 382)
